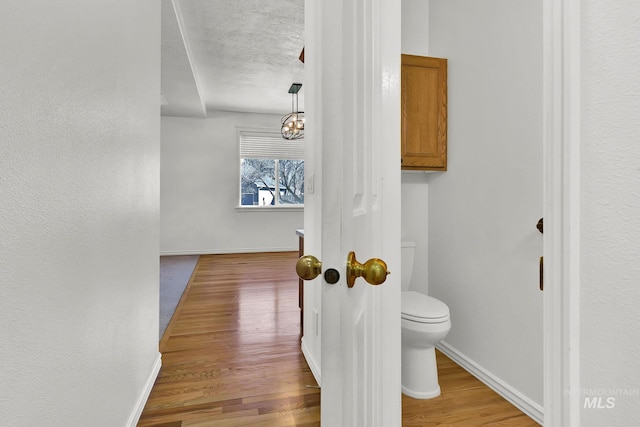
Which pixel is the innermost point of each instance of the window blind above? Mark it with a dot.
(266, 145)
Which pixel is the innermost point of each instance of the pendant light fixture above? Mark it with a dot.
(293, 123)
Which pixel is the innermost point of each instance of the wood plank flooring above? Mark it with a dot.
(231, 357)
(464, 401)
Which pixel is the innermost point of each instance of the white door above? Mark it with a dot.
(352, 106)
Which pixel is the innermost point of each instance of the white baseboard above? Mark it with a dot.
(146, 391)
(311, 361)
(517, 399)
(228, 251)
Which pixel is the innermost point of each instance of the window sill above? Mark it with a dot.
(269, 208)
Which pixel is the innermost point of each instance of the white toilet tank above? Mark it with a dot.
(407, 255)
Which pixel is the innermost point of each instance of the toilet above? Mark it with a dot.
(425, 322)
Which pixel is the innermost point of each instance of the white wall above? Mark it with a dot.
(483, 244)
(415, 225)
(199, 190)
(610, 203)
(415, 27)
(79, 209)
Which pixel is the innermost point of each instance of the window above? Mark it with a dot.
(271, 170)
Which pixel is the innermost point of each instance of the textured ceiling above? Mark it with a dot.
(230, 55)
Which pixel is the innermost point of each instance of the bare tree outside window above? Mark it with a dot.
(291, 181)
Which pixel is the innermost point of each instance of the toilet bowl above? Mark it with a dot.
(425, 322)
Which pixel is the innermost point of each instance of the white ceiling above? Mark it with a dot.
(230, 55)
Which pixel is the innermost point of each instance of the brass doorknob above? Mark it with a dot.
(308, 267)
(373, 271)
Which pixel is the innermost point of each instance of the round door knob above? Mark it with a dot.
(373, 271)
(308, 267)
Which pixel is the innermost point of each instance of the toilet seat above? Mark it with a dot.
(422, 308)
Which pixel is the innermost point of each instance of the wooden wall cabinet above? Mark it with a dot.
(424, 113)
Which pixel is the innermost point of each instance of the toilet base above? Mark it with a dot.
(421, 394)
(420, 373)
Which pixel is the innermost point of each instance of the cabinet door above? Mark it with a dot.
(424, 113)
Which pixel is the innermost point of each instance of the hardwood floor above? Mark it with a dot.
(231, 357)
(464, 401)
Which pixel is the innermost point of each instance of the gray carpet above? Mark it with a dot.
(175, 272)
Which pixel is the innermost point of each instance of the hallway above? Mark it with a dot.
(231, 354)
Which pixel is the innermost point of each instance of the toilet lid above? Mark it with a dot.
(423, 308)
